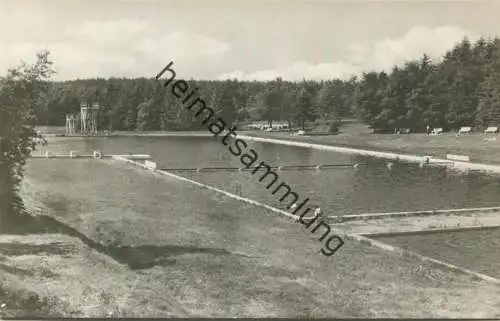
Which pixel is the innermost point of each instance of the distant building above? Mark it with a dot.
(264, 125)
(88, 117)
(70, 124)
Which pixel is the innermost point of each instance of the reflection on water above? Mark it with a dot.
(476, 250)
(372, 187)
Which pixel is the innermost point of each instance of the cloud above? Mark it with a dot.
(380, 55)
(299, 71)
(419, 40)
(182, 47)
(135, 48)
(126, 47)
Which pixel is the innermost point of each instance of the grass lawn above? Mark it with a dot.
(482, 148)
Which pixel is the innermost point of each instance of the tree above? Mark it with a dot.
(222, 101)
(488, 111)
(272, 99)
(370, 93)
(22, 93)
(255, 106)
(302, 108)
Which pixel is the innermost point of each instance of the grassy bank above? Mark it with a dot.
(480, 147)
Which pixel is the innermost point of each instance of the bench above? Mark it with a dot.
(465, 130)
(437, 131)
(491, 130)
(299, 133)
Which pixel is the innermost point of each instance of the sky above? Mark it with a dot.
(243, 39)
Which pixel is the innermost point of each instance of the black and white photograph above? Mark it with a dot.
(299, 159)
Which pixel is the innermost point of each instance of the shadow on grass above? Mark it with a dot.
(136, 257)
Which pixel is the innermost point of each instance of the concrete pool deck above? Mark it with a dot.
(422, 224)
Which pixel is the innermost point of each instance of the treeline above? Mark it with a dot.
(463, 89)
(144, 104)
